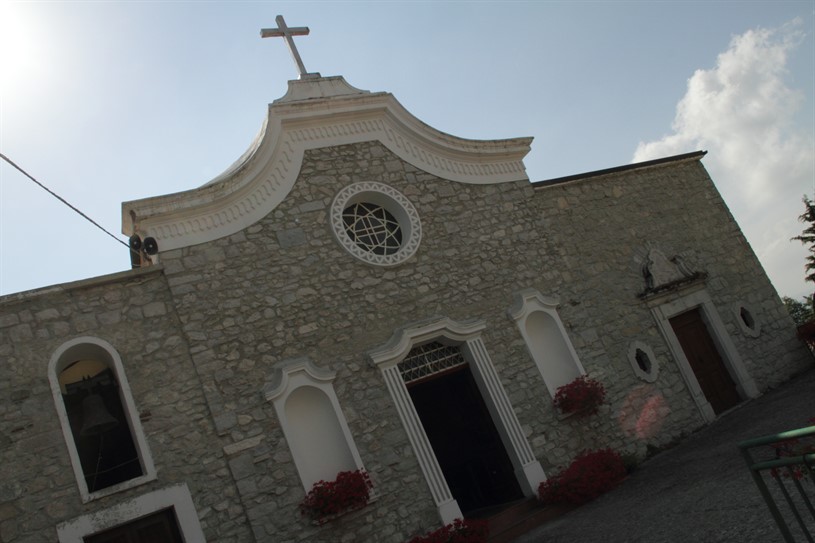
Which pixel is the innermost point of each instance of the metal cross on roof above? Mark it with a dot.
(285, 32)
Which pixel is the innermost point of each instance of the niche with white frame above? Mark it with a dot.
(99, 420)
(312, 421)
(546, 338)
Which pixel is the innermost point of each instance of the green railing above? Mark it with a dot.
(787, 459)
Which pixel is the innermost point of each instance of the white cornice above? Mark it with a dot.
(288, 368)
(528, 300)
(314, 114)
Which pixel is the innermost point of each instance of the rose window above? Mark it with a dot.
(373, 228)
(376, 223)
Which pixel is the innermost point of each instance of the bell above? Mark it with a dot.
(95, 417)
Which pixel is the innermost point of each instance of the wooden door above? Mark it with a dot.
(465, 441)
(714, 379)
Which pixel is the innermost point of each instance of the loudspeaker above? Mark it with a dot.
(150, 246)
(135, 251)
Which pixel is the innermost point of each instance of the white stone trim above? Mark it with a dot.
(264, 175)
(745, 385)
(395, 203)
(527, 468)
(301, 372)
(526, 303)
(753, 332)
(177, 496)
(323, 87)
(648, 377)
(93, 347)
(467, 334)
(447, 507)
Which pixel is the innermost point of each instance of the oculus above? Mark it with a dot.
(746, 318)
(376, 223)
(643, 361)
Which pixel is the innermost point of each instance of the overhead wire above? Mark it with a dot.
(61, 199)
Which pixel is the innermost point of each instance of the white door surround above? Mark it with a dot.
(468, 336)
(664, 309)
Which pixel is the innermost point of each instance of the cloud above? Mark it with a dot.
(762, 162)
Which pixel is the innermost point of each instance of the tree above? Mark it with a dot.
(807, 237)
(800, 311)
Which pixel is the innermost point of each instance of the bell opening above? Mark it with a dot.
(96, 418)
(100, 428)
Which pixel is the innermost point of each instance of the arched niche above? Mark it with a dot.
(312, 421)
(546, 339)
(315, 436)
(98, 416)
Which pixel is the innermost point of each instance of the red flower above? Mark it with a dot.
(460, 531)
(588, 476)
(582, 396)
(791, 448)
(349, 491)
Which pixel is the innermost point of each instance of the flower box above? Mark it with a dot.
(582, 397)
(329, 499)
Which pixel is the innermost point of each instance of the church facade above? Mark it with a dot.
(362, 292)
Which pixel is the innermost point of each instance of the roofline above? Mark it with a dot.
(696, 155)
(100, 280)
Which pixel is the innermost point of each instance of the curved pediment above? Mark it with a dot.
(315, 113)
(404, 339)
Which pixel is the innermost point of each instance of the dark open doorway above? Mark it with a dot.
(465, 440)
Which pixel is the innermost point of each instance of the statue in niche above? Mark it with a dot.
(660, 272)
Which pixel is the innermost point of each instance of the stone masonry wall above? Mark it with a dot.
(134, 312)
(284, 288)
(678, 210)
(201, 335)
(604, 228)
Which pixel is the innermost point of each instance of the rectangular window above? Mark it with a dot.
(161, 527)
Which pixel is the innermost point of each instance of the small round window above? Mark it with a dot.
(746, 317)
(643, 361)
(376, 223)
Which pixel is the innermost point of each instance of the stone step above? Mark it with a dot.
(521, 517)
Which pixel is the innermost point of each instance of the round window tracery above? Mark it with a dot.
(373, 228)
(376, 223)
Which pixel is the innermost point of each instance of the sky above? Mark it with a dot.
(105, 102)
